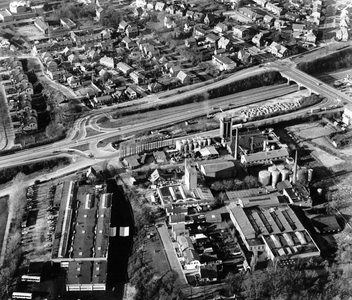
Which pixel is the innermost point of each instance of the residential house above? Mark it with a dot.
(291, 16)
(138, 11)
(269, 20)
(124, 68)
(243, 32)
(128, 42)
(192, 259)
(150, 6)
(73, 58)
(169, 22)
(41, 25)
(212, 38)
(261, 2)
(159, 6)
(131, 162)
(137, 77)
(199, 17)
(51, 65)
(93, 55)
(107, 62)
(131, 94)
(279, 23)
(223, 62)
(191, 42)
(132, 31)
(56, 75)
(189, 14)
(224, 43)
(183, 77)
(298, 27)
(209, 19)
(102, 100)
(278, 50)
(311, 37)
(174, 70)
(244, 56)
(221, 28)
(73, 81)
(260, 38)
(141, 3)
(123, 26)
(154, 87)
(199, 32)
(68, 23)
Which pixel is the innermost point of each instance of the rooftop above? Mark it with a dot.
(86, 272)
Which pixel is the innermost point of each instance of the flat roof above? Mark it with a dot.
(264, 155)
(86, 272)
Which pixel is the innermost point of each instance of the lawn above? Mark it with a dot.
(3, 218)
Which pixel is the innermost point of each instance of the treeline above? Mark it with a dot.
(8, 174)
(249, 182)
(263, 79)
(331, 62)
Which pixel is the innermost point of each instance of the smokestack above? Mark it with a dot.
(252, 143)
(236, 142)
(295, 170)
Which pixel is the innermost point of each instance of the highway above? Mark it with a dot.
(183, 112)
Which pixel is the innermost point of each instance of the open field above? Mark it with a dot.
(5, 3)
(3, 218)
(30, 32)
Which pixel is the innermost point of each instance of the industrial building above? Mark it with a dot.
(226, 128)
(264, 157)
(275, 230)
(217, 169)
(82, 235)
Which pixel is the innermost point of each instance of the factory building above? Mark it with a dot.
(275, 230)
(217, 169)
(190, 176)
(82, 236)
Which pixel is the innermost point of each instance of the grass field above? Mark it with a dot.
(5, 3)
(3, 218)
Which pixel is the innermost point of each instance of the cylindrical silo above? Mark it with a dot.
(195, 144)
(203, 142)
(280, 167)
(310, 175)
(285, 174)
(275, 177)
(264, 177)
(178, 145)
(209, 141)
(184, 141)
(302, 175)
(185, 147)
(190, 146)
(291, 178)
(272, 168)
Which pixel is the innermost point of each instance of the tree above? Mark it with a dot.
(251, 182)
(54, 130)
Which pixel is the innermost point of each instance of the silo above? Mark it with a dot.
(275, 177)
(178, 145)
(184, 141)
(280, 167)
(195, 144)
(209, 141)
(203, 142)
(285, 174)
(291, 178)
(190, 146)
(310, 175)
(264, 177)
(272, 168)
(302, 175)
(185, 147)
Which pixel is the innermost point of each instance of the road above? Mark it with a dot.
(286, 67)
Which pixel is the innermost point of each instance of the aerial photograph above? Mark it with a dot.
(176, 149)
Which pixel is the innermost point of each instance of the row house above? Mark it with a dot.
(244, 57)
(250, 14)
(102, 100)
(211, 38)
(29, 121)
(277, 10)
(223, 62)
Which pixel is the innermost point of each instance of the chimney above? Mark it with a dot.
(295, 169)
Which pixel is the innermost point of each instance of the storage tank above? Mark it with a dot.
(185, 147)
(302, 175)
(209, 141)
(184, 141)
(203, 142)
(178, 145)
(264, 177)
(285, 174)
(280, 167)
(195, 144)
(310, 175)
(272, 168)
(275, 177)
